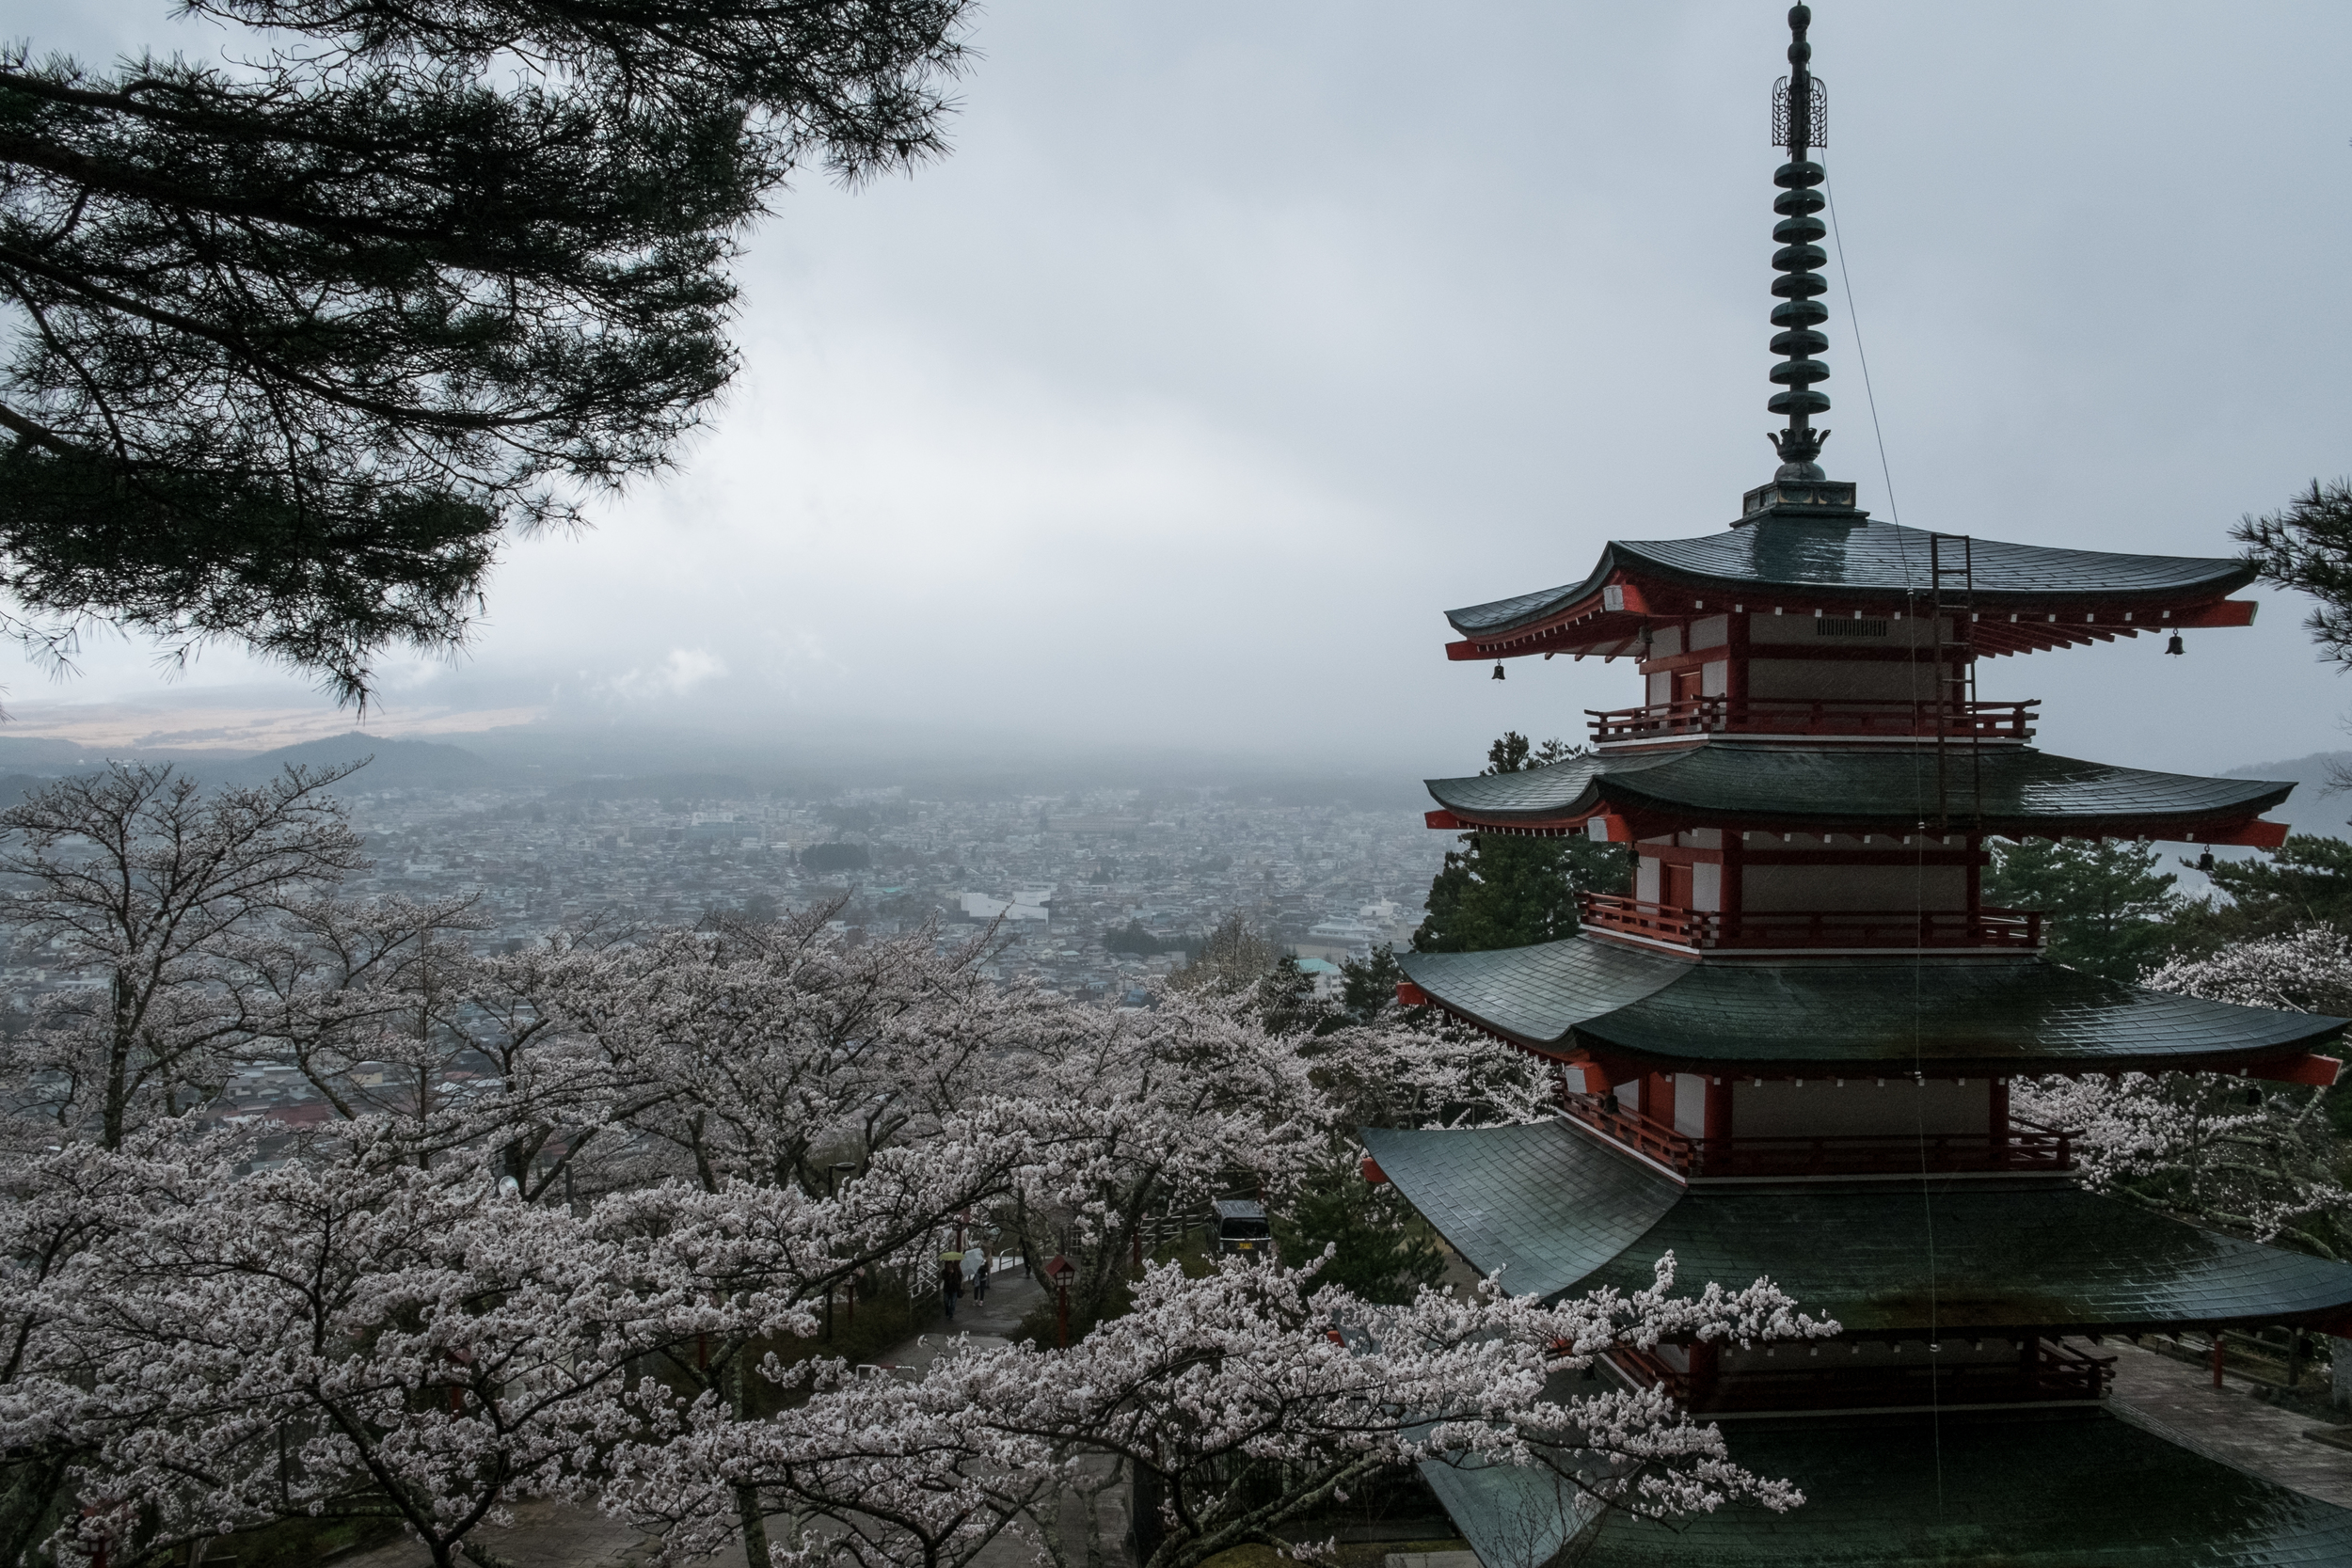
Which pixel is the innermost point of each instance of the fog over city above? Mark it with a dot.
(1159, 424)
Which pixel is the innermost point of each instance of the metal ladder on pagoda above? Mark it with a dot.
(1952, 604)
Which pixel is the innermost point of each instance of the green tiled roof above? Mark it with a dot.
(1872, 562)
(1969, 1016)
(2024, 790)
(2088, 1489)
(1559, 1212)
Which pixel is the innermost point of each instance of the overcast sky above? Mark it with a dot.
(1237, 341)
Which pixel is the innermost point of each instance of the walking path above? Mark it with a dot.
(2229, 1423)
(564, 1535)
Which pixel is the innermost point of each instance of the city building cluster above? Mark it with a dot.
(1059, 877)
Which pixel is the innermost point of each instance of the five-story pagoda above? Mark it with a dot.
(1789, 1053)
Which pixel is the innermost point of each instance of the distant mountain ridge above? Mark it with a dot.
(2312, 808)
(396, 765)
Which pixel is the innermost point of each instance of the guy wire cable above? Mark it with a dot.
(1918, 880)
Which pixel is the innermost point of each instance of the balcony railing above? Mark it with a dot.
(1830, 928)
(1840, 716)
(2022, 1145)
(2053, 1371)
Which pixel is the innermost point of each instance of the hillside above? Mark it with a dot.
(398, 764)
(2311, 809)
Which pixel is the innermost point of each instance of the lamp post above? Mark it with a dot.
(1059, 1270)
(833, 1191)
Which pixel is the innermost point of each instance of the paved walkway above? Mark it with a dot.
(2229, 1423)
(561, 1535)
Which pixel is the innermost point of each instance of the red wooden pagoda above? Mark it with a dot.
(1790, 1051)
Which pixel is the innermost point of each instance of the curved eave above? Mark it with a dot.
(2098, 595)
(2025, 793)
(1588, 628)
(1983, 1489)
(1966, 1017)
(1561, 1213)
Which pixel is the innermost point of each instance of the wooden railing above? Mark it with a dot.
(1734, 928)
(1844, 716)
(2022, 1146)
(2052, 1370)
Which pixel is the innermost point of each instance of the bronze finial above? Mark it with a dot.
(1800, 115)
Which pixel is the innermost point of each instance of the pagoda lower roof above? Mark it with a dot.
(2015, 1489)
(1561, 1212)
(2009, 790)
(1880, 562)
(1976, 1016)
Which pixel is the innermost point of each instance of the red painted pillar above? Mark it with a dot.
(1658, 1098)
(1706, 1366)
(1717, 1128)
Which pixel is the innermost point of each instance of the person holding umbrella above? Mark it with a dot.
(951, 1280)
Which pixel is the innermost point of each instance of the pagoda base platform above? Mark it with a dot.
(2087, 1488)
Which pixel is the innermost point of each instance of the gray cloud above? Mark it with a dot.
(1237, 341)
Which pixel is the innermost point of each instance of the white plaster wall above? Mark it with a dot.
(1660, 687)
(1781, 1109)
(1665, 642)
(1706, 886)
(1715, 679)
(1645, 879)
(1689, 1104)
(1710, 631)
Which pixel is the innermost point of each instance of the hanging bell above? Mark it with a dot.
(2254, 1098)
(1499, 667)
(2174, 647)
(2205, 861)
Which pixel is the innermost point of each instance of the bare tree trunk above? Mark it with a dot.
(755, 1527)
(117, 1113)
(747, 1498)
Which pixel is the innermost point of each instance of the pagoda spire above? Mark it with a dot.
(1800, 111)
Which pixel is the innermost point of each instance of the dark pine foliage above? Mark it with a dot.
(1510, 892)
(2307, 545)
(2304, 881)
(1368, 985)
(1383, 1254)
(2111, 909)
(292, 344)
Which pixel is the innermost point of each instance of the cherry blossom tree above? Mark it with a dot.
(384, 1320)
(59, 1209)
(1397, 1071)
(363, 1337)
(1237, 1403)
(139, 874)
(2252, 1157)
